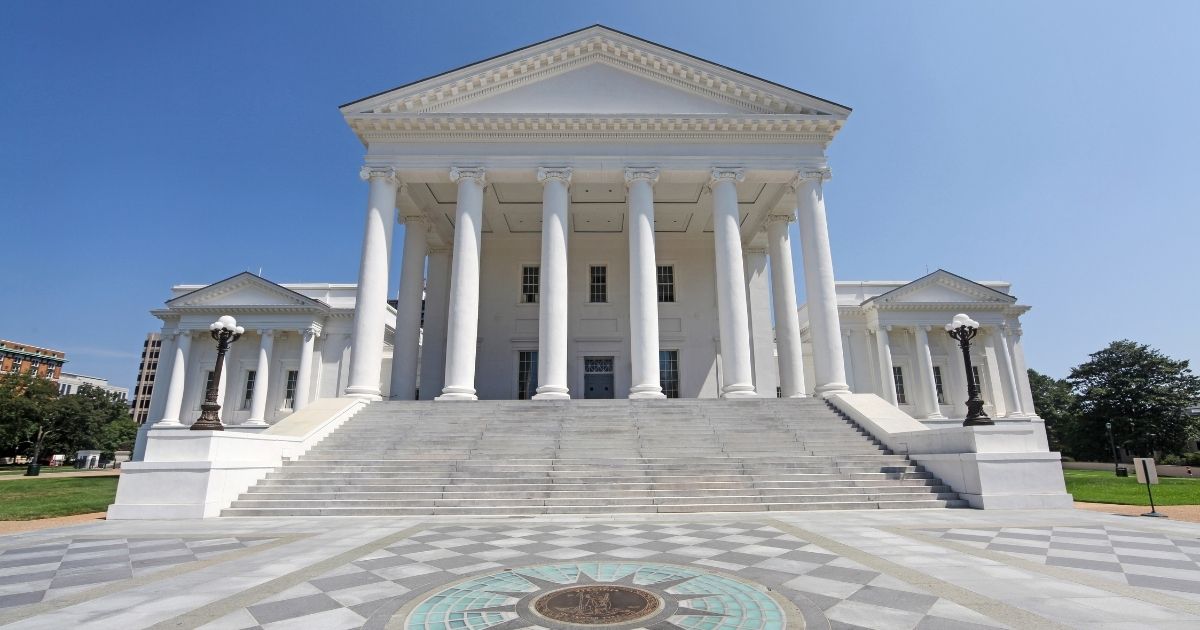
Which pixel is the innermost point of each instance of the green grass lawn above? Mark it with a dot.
(28, 499)
(1102, 486)
(11, 471)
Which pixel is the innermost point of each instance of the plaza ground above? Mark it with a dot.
(863, 569)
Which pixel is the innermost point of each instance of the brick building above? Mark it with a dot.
(26, 359)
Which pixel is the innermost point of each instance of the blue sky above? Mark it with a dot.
(144, 144)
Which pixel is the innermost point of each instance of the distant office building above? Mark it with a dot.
(144, 388)
(69, 383)
(27, 359)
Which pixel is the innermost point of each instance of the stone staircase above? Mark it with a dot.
(573, 457)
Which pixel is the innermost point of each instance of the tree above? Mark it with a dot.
(1055, 403)
(25, 404)
(1141, 391)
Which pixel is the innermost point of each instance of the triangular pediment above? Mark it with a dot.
(596, 70)
(942, 286)
(244, 290)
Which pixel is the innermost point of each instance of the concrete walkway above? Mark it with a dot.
(901, 569)
(107, 472)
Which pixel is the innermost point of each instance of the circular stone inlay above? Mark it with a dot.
(597, 604)
(620, 595)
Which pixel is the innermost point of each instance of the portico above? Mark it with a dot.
(577, 230)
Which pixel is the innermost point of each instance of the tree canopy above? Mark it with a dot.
(31, 410)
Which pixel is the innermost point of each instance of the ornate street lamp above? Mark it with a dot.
(963, 329)
(225, 331)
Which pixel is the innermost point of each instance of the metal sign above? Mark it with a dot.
(1144, 469)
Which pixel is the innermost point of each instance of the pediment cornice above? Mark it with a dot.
(207, 297)
(972, 292)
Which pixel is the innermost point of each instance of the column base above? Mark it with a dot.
(646, 392)
(552, 392)
(797, 395)
(830, 389)
(452, 392)
(935, 416)
(168, 424)
(366, 393)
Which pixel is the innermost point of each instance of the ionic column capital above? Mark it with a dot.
(818, 175)
(307, 333)
(387, 173)
(780, 218)
(726, 174)
(644, 174)
(475, 173)
(432, 251)
(755, 249)
(555, 173)
(266, 333)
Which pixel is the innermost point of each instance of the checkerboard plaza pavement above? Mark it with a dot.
(372, 589)
(1124, 555)
(891, 569)
(51, 570)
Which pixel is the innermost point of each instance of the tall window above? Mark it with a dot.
(666, 283)
(529, 284)
(898, 376)
(599, 284)
(937, 385)
(527, 367)
(289, 389)
(248, 392)
(668, 372)
(16, 365)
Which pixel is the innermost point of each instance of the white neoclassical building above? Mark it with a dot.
(594, 216)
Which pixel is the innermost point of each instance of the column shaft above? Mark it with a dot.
(552, 298)
(820, 292)
(930, 408)
(1022, 372)
(433, 345)
(174, 403)
(1010, 375)
(258, 400)
(731, 290)
(308, 338)
(783, 299)
(643, 286)
(407, 343)
(463, 326)
(370, 306)
(885, 365)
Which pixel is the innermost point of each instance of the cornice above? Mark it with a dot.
(790, 129)
(489, 78)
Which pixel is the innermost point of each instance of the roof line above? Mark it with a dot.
(254, 275)
(608, 28)
(934, 273)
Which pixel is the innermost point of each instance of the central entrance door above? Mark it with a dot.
(597, 377)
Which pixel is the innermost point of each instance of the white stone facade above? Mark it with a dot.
(896, 346)
(69, 383)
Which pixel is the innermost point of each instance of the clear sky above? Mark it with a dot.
(1051, 144)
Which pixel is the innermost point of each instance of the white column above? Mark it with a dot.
(1013, 385)
(885, 364)
(174, 404)
(731, 291)
(848, 354)
(764, 366)
(958, 377)
(1022, 373)
(991, 365)
(820, 293)
(407, 342)
(643, 285)
(552, 298)
(370, 306)
(308, 338)
(433, 336)
(931, 409)
(258, 400)
(783, 298)
(463, 326)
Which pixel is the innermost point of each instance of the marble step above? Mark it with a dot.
(597, 509)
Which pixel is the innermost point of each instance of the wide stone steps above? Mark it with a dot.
(422, 458)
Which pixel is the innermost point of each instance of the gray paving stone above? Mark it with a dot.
(891, 598)
(842, 574)
(293, 608)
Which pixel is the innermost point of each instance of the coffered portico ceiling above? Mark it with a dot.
(595, 85)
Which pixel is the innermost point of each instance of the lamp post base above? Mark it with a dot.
(208, 420)
(975, 415)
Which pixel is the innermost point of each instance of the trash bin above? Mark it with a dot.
(1122, 471)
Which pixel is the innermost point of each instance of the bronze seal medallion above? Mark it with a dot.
(597, 604)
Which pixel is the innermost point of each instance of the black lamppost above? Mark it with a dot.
(963, 329)
(225, 331)
(1113, 444)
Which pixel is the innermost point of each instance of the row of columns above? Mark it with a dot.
(178, 344)
(924, 387)
(462, 317)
